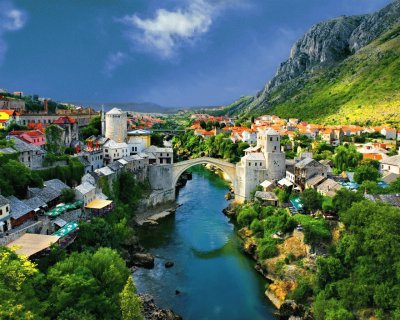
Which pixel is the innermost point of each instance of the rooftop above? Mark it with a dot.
(30, 243)
(18, 208)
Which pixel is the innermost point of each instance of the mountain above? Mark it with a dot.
(343, 70)
(143, 107)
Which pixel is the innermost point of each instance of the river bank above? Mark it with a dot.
(288, 262)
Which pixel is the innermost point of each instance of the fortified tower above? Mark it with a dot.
(270, 142)
(116, 125)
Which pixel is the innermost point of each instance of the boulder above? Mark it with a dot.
(169, 264)
(152, 312)
(145, 260)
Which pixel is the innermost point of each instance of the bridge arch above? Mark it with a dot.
(180, 167)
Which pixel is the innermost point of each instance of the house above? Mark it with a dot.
(70, 129)
(85, 192)
(313, 182)
(267, 198)
(50, 193)
(20, 212)
(392, 199)
(306, 169)
(267, 185)
(391, 164)
(138, 140)
(5, 218)
(35, 137)
(159, 155)
(30, 155)
(91, 160)
(8, 117)
(389, 133)
(36, 204)
(329, 188)
(113, 151)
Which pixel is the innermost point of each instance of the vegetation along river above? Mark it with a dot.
(214, 278)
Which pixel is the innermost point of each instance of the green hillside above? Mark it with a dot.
(363, 89)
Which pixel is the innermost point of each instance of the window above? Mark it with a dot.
(249, 164)
(270, 138)
(275, 148)
(260, 164)
(255, 164)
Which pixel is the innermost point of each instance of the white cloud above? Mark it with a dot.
(11, 19)
(113, 61)
(169, 29)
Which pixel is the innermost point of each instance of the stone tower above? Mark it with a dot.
(116, 125)
(275, 160)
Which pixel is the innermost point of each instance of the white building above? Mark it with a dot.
(391, 164)
(5, 219)
(116, 125)
(159, 155)
(113, 151)
(138, 140)
(85, 192)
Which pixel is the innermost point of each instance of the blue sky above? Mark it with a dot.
(170, 52)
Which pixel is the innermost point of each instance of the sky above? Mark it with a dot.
(174, 53)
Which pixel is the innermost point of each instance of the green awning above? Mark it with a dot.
(55, 212)
(296, 202)
(68, 228)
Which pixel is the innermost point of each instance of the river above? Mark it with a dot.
(214, 278)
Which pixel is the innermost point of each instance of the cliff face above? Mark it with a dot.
(324, 45)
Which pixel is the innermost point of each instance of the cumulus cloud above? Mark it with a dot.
(169, 29)
(113, 61)
(11, 20)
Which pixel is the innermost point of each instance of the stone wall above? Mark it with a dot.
(33, 228)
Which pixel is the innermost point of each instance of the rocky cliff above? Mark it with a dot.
(325, 45)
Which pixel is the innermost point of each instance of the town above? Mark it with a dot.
(61, 164)
(290, 154)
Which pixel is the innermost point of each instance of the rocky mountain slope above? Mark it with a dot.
(345, 69)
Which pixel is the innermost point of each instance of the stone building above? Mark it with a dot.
(266, 161)
(116, 125)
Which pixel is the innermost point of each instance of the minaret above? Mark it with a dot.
(103, 123)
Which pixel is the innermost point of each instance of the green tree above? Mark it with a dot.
(366, 173)
(311, 200)
(346, 157)
(67, 195)
(344, 199)
(131, 305)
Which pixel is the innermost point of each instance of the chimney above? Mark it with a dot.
(46, 106)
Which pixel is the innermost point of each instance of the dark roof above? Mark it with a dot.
(393, 199)
(116, 166)
(18, 208)
(308, 162)
(56, 184)
(22, 146)
(3, 201)
(46, 194)
(35, 203)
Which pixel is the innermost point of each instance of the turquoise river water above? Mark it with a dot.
(214, 278)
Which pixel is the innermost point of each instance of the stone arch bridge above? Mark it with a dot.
(163, 178)
(180, 167)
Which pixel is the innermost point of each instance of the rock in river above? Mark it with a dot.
(169, 264)
(152, 312)
(145, 260)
